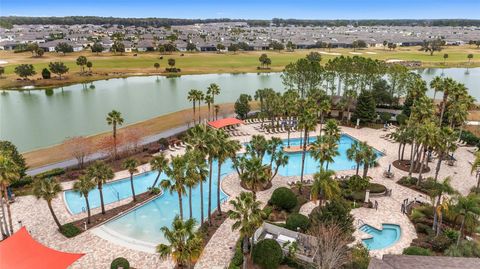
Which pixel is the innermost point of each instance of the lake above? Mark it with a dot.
(39, 118)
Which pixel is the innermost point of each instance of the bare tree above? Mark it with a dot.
(332, 246)
(133, 137)
(78, 147)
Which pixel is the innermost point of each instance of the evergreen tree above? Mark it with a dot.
(365, 110)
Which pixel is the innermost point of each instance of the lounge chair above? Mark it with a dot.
(171, 148)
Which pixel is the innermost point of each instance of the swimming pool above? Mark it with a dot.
(386, 237)
(144, 223)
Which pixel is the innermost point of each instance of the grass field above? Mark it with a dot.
(107, 65)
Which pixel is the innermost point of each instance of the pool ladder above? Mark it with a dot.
(360, 223)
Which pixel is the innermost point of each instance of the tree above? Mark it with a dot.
(324, 149)
(275, 45)
(8, 173)
(114, 118)
(158, 163)
(79, 148)
(131, 165)
(227, 149)
(242, 105)
(469, 208)
(195, 96)
(307, 122)
(445, 57)
(213, 90)
(32, 47)
(58, 68)
(291, 46)
(2, 71)
(97, 47)
(156, 66)
(432, 46)
(171, 63)
(9, 150)
(196, 173)
(324, 187)
(470, 57)
(233, 47)
(161, 49)
(332, 246)
(40, 52)
(83, 186)
(365, 110)
(248, 217)
(89, 66)
(118, 46)
(177, 177)
(314, 57)
(185, 245)
(63, 48)
(263, 59)
(354, 153)
(100, 172)
(220, 47)
(191, 47)
(82, 61)
(25, 70)
(369, 157)
(48, 189)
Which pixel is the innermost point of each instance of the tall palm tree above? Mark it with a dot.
(369, 157)
(200, 98)
(209, 102)
(83, 186)
(177, 177)
(8, 173)
(158, 163)
(324, 187)
(185, 245)
(323, 108)
(332, 129)
(131, 165)
(354, 153)
(476, 169)
(248, 217)
(307, 122)
(437, 192)
(254, 174)
(201, 173)
(48, 189)
(191, 182)
(227, 149)
(114, 118)
(469, 208)
(192, 97)
(100, 172)
(213, 90)
(436, 85)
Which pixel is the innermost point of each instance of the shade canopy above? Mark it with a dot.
(224, 122)
(22, 251)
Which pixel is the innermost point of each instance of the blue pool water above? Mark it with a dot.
(386, 237)
(144, 223)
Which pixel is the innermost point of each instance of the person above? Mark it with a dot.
(403, 208)
(376, 205)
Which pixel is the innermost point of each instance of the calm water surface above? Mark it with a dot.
(35, 119)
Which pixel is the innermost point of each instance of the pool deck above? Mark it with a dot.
(99, 252)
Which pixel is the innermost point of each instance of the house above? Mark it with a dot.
(8, 45)
(423, 262)
(145, 45)
(128, 46)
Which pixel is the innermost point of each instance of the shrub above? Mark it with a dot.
(417, 251)
(46, 73)
(267, 210)
(283, 198)
(401, 118)
(51, 173)
(451, 234)
(385, 116)
(423, 228)
(416, 215)
(464, 249)
(376, 188)
(120, 262)
(407, 181)
(440, 243)
(357, 183)
(267, 254)
(359, 258)
(297, 221)
(21, 182)
(154, 190)
(336, 211)
(69, 230)
(470, 138)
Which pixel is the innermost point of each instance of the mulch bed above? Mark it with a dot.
(111, 213)
(404, 165)
(263, 188)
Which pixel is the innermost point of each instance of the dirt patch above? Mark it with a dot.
(404, 165)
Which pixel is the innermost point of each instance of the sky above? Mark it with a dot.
(249, 9)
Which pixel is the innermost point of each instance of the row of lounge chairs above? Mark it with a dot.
(388, 137)
(237, 133)
(177, 146)
(274, 130)
(389, 126)
(460, 143)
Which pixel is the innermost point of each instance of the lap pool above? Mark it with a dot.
(144, 222)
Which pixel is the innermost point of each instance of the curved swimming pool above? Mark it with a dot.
(144, 222)
(380, 239)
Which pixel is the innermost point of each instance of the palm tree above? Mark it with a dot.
(48, 189)
(8, 173)
(324, 107)
(227, 149)
(476, 169)
(190, 182)
(114, 118)
(158, 163)
(369, 157)
(192, 97)
(332, 129)
(213, 90)
(200, 98)
(100, 172)
(176, 182)
(185, 245)
(324, 187)
(248, 217)
(254, 174)
(324, 149)
(438, 190)
(201, 173)
(83, 186)
(354, 153)
(436, 85)
(469, 208)
(131, 165)
(208, 101)
(307, 122)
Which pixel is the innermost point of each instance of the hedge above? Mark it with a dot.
(51, 173)
(120, 262)
(470, 138)
(297, 221)
(69, 230)
(417, 251)
(376, 188)
(283, 198)
(267, 254)
(21, 182)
